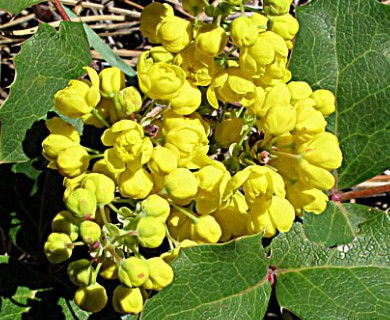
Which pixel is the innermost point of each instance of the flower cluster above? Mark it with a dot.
(216, 142)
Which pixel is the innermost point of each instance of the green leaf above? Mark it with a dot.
(226, 281)
(343, 46)
(338, 224)
(14, 307)
(351, 281)
(71, 310)
(45, 64)
(103, 49)
(16, 6)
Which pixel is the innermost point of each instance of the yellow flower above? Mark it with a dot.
(174, 33)
(112, 80)
(160, 54)
(244, 31)
(162, 161)
(79, 97)
(299, 90)
(101, 185)
(151, 16)
(315, 176)
(127, 300)
(270, 215)
(231, 85)
(309, 122)
(179, 225)
(233, 217)
(322, 151)
(279, 120)
(200, 68)
(324, 101)
(162, 81)
(188, 100)
(187, 136)
(212, 181)
(160, 275)
(129, 146)
(127, 101)
(206, 230)
(178, 191)
(211, 39)
(260, 20)
(156, 206)
(284, 25)
(82, 203)
(91, 298)
(276, 7)
(256, 181)
(56, 247)
(304, 197)
(133, 272)
(65, 222)
(135, 184)
(72, 161)
(151, 232)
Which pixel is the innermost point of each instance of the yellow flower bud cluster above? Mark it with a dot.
(221, 145)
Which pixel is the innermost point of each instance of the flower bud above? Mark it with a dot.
(127, 300)
(160, 54)
(151, 232)
(160, 274)
(90, 231)
(82, 203)
(91, 298)
(299, 90)
(72, 161)
(188, 100)
(175, 186)
(162, 81)
(80, 272)
(244, 31)
(151, 16)
(79, 97)
(211, 39)
(112, 80)
(53, 144)
(174, 33)
(276, 7)
(127, 101)
(206, 230)
(156, 206)
(109, 270)
(133, 272)
(135, 185)
(325, 101)
(57, 247)
(284, 25)
(65, 222)
(101, 185)
(163, 161)
(323, 151)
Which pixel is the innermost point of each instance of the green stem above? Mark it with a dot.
(100, 118)
(186, 213)
(96, 156)
(113, 208)
(96, 272)
(103, 214)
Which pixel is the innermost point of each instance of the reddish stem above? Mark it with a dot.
(360, 193)
(61, 10)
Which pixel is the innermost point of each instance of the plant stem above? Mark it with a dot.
(344, 196)
(100, 118)
(186, 213)
(61, 10)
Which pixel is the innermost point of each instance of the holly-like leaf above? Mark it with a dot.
(350, 281)
(45, 64)
(16, 6)
(343, 46)
(226, 281)
(338, 224)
